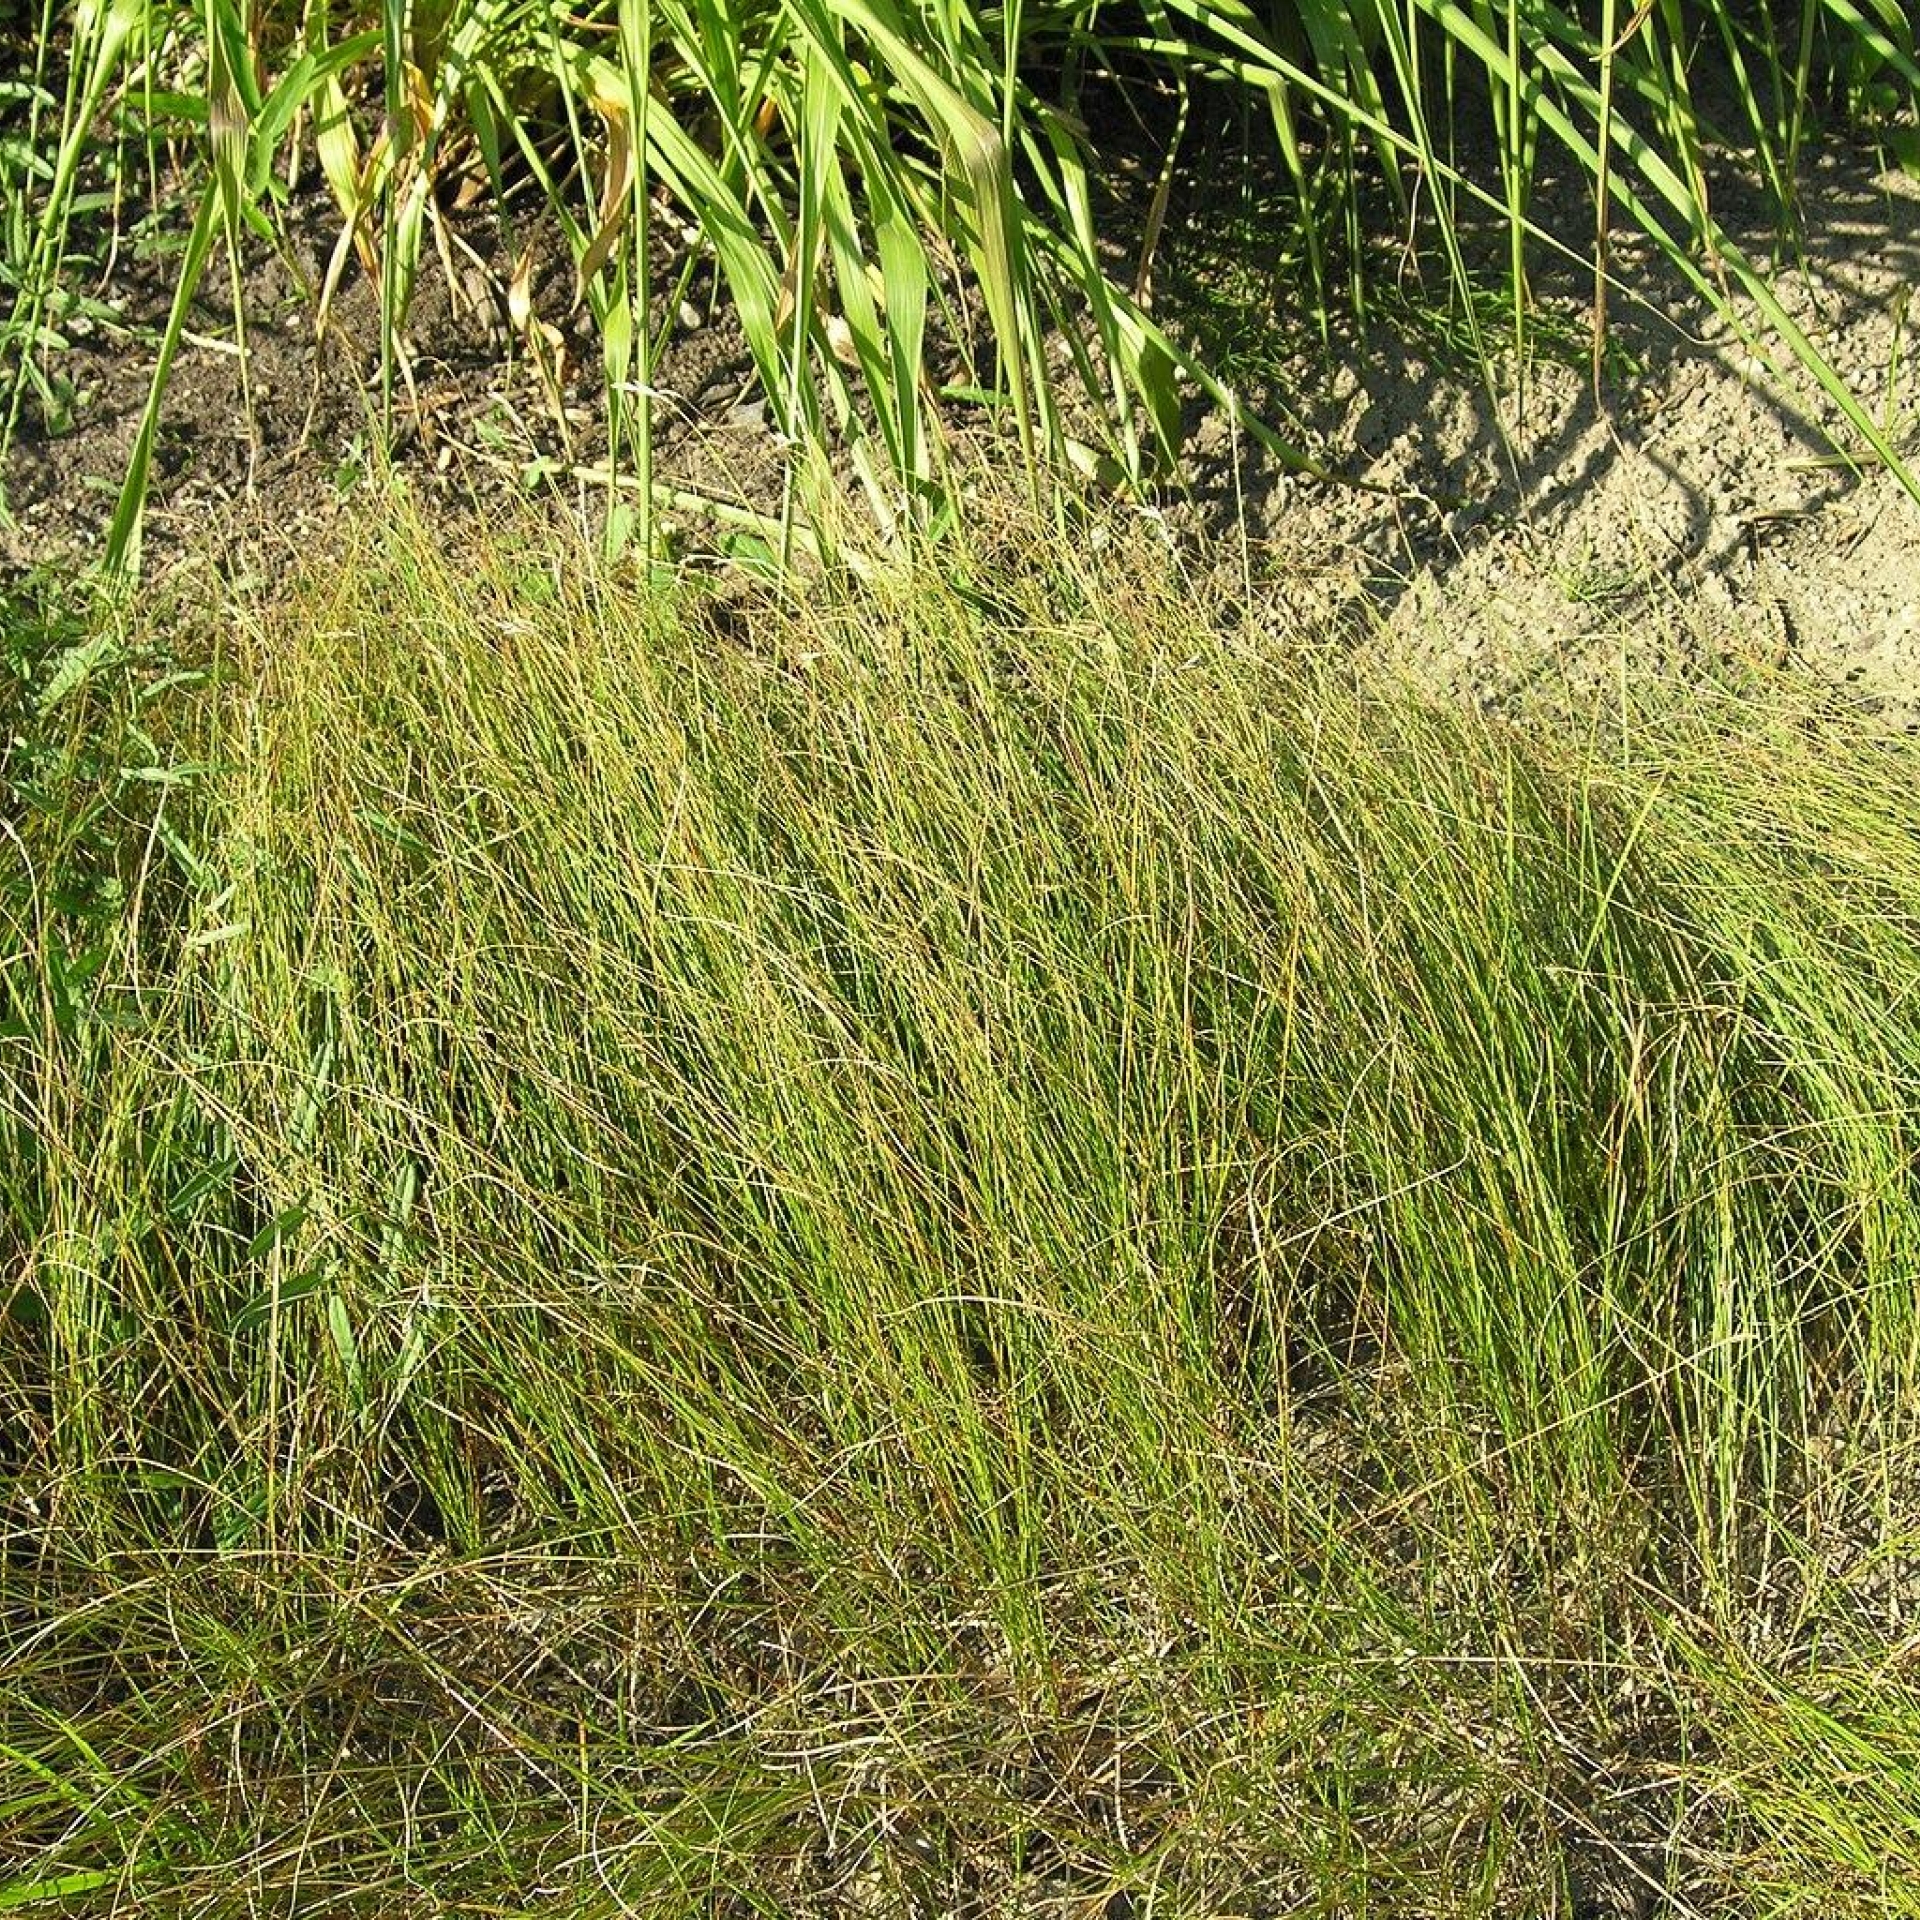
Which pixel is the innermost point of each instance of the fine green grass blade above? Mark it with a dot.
(55, 1890)
(100, 43)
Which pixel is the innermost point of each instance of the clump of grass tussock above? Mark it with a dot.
(927, 1250)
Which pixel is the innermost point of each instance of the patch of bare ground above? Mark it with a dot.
(1529, 531)
(1509, 532)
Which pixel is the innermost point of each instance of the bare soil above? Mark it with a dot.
(1700, 507)
(1504, 532)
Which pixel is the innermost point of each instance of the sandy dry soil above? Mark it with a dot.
(1508, 532)
(1699, 507)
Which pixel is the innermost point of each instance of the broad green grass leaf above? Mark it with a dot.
(123, 534)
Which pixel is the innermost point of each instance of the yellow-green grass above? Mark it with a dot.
(926, 1249)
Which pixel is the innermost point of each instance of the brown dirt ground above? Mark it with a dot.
(1697, 511)
(1509, 533)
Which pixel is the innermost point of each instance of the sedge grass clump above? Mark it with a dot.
(959, 1251)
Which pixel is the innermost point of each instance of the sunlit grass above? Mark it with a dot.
(922, 1250)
